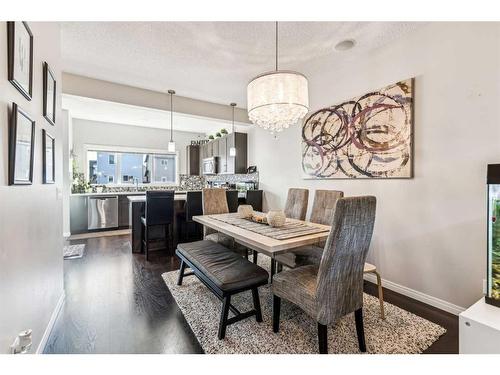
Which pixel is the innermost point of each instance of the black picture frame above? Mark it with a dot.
(12, 53)
(48, 76)
(46, 137)
(18, 114)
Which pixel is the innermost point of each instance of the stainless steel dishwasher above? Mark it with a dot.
(103, 212)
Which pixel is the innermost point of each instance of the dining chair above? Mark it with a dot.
(254, 199)
(159, 211)
(232, 200)
(215, 202)
(192, 207)
(322, 213)
(334, 288)
(296, 203)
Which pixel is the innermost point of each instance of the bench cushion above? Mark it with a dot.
(226, 269)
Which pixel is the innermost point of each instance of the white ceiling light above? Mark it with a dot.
(277, 99)
(345, 45)
(171, 144)
(232, 150)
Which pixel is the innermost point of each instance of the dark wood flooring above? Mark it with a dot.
(116, 302)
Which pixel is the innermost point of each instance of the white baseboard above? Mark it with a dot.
(51, 323)
(419, 296)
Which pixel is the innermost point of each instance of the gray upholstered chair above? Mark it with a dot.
(334, 288)
(215, 202)
(296, 203)
(322, 213)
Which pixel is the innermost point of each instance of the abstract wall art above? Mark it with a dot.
(370, 136)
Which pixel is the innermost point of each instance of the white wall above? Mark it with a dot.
(430, 231)
(31, 259)
(108, 134)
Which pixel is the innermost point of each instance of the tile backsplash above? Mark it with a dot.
(186, 182)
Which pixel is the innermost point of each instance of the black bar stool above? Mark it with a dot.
(192, 207)
(254, 198)
(232, 200)
(159, 212)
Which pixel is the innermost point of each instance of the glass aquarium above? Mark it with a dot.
(493, 291)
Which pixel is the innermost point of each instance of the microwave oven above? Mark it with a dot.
(209, 165)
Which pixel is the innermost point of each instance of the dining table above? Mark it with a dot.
(261, 243)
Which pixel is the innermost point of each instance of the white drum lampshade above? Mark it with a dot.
(277, 99)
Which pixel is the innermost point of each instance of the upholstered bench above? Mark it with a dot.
(225, 273)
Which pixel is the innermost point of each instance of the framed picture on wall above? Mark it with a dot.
(49, 165)
(21, 147)
(49, 94)
(20, 57)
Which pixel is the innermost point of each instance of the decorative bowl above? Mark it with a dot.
(276, 218)
(245, 211)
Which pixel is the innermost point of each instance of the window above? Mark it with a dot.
(128, 168)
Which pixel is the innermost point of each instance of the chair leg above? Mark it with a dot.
(323, 338)
(358, 316)
(223, 317)
(273, 268)
(380, 295)
(181, 273)
(255, 254)
(256, 305)
(146, 242)
(276, 313)
(279, 268)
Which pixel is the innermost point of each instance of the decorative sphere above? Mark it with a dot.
(276, 218)
(245, 211)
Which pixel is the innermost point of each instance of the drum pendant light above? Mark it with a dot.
(277, 99)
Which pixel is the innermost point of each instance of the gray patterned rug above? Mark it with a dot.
(402, 332)
(74, 251)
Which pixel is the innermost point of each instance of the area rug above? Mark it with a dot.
(400, 333)
(74, 251)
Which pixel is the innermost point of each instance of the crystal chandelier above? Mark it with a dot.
(277, 99)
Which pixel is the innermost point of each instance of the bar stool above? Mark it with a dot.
(159, 212)
(192, 207)
(232, 200)
(254, 199)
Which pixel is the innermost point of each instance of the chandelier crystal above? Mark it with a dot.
(277, 99)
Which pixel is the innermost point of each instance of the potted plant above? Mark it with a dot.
(223, 131)
(218, 135)
(211, 137)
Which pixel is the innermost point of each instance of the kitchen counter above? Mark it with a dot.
(122, 193)
(142, 198)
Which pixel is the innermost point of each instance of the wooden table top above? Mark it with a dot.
(261, 243)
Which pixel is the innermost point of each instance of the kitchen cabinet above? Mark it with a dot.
(222, 143)
(78, 214)
(220, 148)
(193, 160)
(123, 211)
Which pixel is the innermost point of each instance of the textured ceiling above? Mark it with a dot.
(212, 61)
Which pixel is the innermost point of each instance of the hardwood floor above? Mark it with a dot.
(116, 302)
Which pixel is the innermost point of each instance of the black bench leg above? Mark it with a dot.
(181, 272)
(276, 313)
(256, 305)
(254, 253)
(323, 338)
(358, 316)
(223, 317)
